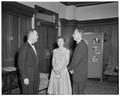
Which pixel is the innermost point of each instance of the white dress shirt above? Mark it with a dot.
(79, 41)
(32, 47)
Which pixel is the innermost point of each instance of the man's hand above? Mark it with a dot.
(71, 71)
(26, 81)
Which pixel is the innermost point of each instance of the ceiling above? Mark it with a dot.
(82, 4)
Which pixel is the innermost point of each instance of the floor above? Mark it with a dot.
(109, 86)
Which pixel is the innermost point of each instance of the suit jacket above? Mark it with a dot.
(28, 63)
(79, 62)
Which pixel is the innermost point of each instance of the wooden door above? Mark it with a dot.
(47, 37)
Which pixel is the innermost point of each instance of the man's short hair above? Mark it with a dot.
(30, 31)
(81, 31)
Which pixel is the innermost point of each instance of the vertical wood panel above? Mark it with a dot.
(5, 39)
(52, 34)
(52, 39)
(43, 40)
(23, 29)
(25, 25)
(115, 45)
(106, 29)
(15, 41)
(66, 32)
(41, 45)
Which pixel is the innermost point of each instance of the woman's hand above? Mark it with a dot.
(56, 72)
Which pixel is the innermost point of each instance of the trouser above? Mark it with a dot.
(78, 87)
(32, 88)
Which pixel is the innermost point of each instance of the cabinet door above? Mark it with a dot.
(95, 54)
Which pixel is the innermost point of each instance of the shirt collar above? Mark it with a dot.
(29, 42)
(79, 41)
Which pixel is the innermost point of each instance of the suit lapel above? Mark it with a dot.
(31, 48)
(77, 48)
(32, 51)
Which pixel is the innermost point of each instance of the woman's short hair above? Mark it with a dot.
(65, 44)
(60, 37)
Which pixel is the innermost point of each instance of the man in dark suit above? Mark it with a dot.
(28, 65)
(79, 63)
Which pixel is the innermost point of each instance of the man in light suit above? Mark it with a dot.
(28, 65)
(79, 63)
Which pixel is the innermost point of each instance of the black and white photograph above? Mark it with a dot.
(59, 47)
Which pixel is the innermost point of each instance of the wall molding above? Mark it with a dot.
(17, 8)
(66, 22)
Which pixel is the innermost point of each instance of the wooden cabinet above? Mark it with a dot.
(95, 54)
(9, 81)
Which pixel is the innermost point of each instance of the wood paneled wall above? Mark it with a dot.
(16, 20)
(108, 26)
